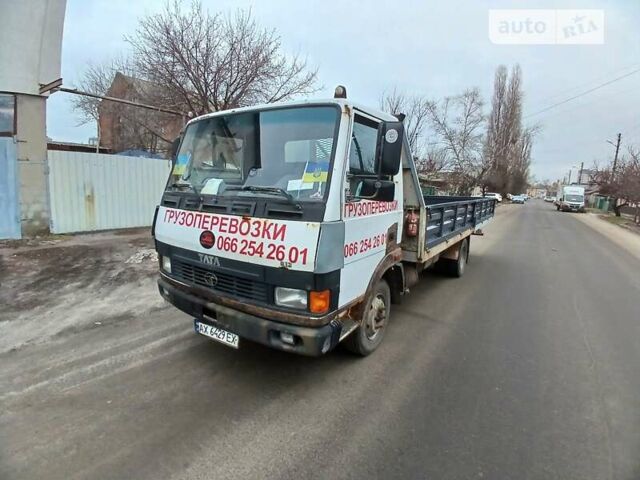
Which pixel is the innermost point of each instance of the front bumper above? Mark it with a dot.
(312, 341)
(573, 208)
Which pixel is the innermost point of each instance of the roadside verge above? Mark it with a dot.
(59, 286)
(622, 237)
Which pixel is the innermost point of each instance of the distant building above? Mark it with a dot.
(585, 177)
(124, 127)
(439, 183)
(443, 183)
(537, 191)
(76, 147)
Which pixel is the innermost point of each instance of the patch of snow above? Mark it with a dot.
(146, 254)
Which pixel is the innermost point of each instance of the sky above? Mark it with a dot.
(427, 47)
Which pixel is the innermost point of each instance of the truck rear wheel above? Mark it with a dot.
(455, 268)
(368, 336)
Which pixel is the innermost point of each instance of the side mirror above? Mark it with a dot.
(173, 151)
(374, 189)
(390, 140)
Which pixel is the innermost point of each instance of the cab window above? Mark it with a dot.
(362, 152)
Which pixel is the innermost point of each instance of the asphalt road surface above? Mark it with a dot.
(526, 368)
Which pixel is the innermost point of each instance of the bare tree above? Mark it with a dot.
(520, 161)
(208, 62)
(631, 181)
(189, 60)
(508, 143)
(434, 161)
(623, 184)
(458, 124)
(128, 126)
(97, 79)
(415, 108)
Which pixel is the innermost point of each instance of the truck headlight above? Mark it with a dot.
(291, 297)
(166, 264)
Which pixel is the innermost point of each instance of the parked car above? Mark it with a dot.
(518, 199)
(549, 198)
(497, 196)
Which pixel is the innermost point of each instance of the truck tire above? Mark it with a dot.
(368, 336)
(457, 267)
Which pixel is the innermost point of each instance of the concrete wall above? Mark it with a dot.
(30, 44)
(32, 160)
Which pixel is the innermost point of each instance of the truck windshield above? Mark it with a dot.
(573, 198)
(282, 151)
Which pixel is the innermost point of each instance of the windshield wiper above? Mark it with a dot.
(181, 185)
(259, 189)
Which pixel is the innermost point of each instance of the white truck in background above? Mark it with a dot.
(570, 198)
(298, 225)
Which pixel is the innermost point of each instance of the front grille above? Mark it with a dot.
(220, 282)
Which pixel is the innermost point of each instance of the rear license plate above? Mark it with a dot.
(218, 334)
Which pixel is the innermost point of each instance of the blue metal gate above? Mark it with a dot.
(9, 216)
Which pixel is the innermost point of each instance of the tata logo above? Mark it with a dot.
(211, 279)
(209, 259)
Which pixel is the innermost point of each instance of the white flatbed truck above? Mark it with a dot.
(298, 225)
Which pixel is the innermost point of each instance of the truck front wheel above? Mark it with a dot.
(368, 336)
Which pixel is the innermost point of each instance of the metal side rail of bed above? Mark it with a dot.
(448, 216)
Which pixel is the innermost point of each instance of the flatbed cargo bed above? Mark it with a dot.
(451, 216)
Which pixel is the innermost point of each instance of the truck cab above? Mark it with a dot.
(571, 199)
(283, 224)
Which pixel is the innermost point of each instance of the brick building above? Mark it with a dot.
(124, 127)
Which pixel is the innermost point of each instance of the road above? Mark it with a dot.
(526, 368)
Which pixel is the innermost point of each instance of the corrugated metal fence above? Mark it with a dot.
(91, 191)
(9, 207)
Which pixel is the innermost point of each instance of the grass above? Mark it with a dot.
(624, 221)
(613, 219)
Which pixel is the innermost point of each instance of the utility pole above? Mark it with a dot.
(580, 174)
(613, 170)
(615, 158)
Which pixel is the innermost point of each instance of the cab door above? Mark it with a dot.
(367, 223)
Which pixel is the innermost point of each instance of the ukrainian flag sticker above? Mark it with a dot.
(316, 172)
(181, 163)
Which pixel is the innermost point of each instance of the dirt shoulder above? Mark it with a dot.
(59, 285)
(622, 236)
(623, 221)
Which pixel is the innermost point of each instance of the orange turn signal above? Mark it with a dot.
(319, 301)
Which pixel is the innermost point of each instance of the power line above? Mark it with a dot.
(589, 103)
(594, 80)
(582, 94)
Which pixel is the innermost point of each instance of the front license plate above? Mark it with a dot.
(218, 334)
